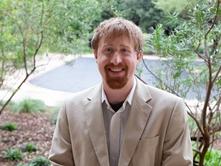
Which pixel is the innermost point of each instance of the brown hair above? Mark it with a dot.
(118, 26)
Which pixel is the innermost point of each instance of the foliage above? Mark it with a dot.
(40, 161)
(194, 66)
(29, 106)
(14, 154)
(9, 126)
(21, 30)
(213, 158)
(21, 164)
(71, 25)
(28, 28)
(29, 147)
(142, 13)
(174, 5)
(22, 33)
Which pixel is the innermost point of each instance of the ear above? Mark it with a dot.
(139, 55)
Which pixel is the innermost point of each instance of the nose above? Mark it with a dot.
(116, 58)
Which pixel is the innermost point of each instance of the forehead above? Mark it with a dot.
(115, 39)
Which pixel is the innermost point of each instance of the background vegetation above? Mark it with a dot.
(186, 32)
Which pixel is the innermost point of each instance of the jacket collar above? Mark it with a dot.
(137, 121)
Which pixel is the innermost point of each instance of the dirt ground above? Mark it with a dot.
(31, 128)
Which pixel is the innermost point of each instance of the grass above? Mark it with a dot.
(29, 106)
(9, 126)
(213, 158)
(29, 147)
(39, 161)
(13, 154)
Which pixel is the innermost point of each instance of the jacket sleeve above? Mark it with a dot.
(61, 151)
(177, 146)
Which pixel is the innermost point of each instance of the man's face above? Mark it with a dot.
(117, 60)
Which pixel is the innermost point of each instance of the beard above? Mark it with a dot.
(116, 82)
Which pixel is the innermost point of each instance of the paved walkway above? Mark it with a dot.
(61, 76)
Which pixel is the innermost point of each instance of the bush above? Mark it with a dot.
(29, 147)
(29, 106)
(9, 126)
(148, 49)
(13, 154)
(21, 164)
(40, 161)
(213, 158)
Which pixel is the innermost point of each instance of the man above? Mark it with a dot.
(122, 121)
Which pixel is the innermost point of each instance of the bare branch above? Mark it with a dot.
(15, 91)
(189, 113)
(195, 119)
(217, 74)
(159, 79)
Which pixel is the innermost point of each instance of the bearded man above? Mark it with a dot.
(121, 121)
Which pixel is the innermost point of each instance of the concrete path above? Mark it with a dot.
(59, 79)
(82, 73)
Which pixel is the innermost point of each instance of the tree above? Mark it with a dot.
(142, 13)
(23, 26)
(32, 26)
(194, 66)
(72, 25)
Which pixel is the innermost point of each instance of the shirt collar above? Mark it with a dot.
(128, 99)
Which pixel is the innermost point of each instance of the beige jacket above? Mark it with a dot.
(156, 133)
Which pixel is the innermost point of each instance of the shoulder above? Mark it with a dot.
(74, 107)
(163, 95)
(161, 100)
(156, 94)
(82, 96)
(167, 103)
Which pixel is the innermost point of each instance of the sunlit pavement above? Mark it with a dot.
(58, 77)
(31, 91)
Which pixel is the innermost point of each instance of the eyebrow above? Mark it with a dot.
(121, 45)
(105, 45)
(124, 46)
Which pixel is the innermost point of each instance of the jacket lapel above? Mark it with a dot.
(96, 129)
(137, 120)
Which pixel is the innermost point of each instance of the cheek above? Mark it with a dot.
(101, 63)
(132, 67)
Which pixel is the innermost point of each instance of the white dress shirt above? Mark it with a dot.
(115, 123)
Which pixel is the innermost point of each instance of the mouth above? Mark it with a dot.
(116, 71)
(116, 75)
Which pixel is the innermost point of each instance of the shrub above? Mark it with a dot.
(14, 154)
(213, 158)
(29, 147)
(21, 164)
(40, 161)
(9, 126)
(29, 106)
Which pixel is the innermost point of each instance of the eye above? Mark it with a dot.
(125, 51)
(108, 50)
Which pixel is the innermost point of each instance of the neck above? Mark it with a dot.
(118, 95)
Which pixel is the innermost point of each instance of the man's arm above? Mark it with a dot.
(61, 151)
(177, 146)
